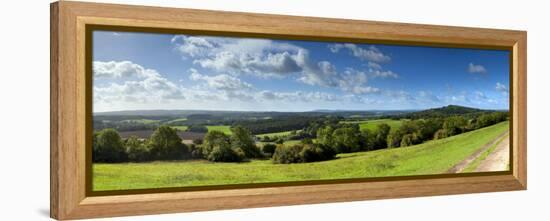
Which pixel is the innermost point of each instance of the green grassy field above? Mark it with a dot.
(143, 121)
(177, 120)
(432, 157)
(182, 128)
(372, 124)
(222, 128)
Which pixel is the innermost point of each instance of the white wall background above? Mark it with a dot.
(24, 109)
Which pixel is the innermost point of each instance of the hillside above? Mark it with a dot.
(445, 111)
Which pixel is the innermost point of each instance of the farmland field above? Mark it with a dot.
(181, 128)
(222, 128)
(432, 157)
(372, 124)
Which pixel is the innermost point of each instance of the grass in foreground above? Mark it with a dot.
(433, 157)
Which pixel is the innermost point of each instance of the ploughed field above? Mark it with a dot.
(432, 157)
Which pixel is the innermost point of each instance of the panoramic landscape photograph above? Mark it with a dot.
(173, 110)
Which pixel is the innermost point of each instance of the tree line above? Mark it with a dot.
(321, 140)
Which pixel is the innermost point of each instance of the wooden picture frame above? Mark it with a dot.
(70, 97)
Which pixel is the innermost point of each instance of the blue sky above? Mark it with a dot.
(139, 71)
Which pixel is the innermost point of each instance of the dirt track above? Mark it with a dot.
(498, 159)
(463, 164)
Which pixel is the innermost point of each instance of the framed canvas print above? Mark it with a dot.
(160, 110)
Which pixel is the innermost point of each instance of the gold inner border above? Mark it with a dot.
(89, 28)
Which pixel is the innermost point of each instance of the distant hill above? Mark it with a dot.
(446, 111)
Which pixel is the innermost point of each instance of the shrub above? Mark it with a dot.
(316, 152)
(269, 149)
(224, 153)
(197, 141)
(108, 147)
(287, 154)
(440, 134)
(217, 148)
(136, 150)
(195, 151)
(165, 144)
(407, 140)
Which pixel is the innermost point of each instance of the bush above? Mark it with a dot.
(195, 151)
(136, 150)
(108, 147)
(224, 153)
(165, 144)
(381, 136)
(440, 134)
(269, 149)
(287, 154)
(407, 140)
(316, 152)
(217, 148)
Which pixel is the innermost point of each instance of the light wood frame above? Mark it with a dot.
(69, 199)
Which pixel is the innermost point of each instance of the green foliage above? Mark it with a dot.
(108, 147)
(287, 154)
(316, 152)
(242, 139)
(407, 140)
(454, 125)
(224, 153)
(136, 149)
(198, 128)
(217, 148)
(269, 149)
(381, 136)
(324, 136)
(165, 144)
(440, 134)
(346, 139)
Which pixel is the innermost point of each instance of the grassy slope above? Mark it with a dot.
(433, 157)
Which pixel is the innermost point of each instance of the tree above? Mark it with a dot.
(324, 136)
(454, 125)
(217, 148)
(136, 149)
(242, 139)
(108, 147)
(346, 140)
(165, 144)
(198, 128)
(381, 136)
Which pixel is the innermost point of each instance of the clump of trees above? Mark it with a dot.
(302, 153)
(164, 144)
(418, 131)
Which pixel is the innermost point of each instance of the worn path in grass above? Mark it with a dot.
(460, 167)
(498, 160)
